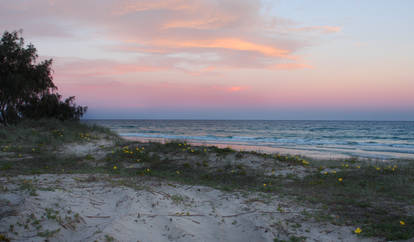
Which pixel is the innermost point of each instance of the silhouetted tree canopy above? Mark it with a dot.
(26, 87)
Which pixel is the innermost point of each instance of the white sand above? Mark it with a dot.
(153, 210)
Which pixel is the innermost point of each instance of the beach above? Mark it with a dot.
(381, 140)
(85, 183)
(205, 121)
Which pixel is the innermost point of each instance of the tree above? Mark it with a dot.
(51, 106)
(26, 86)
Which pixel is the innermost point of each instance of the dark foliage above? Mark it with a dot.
(26, 86)
(51, 106)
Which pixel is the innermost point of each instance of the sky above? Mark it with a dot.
(227, 59)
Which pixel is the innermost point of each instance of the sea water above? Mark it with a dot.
(325, 139)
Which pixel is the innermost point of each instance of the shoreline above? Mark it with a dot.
(315, 139)
(261, 149)
(308, 154)
(68, 181)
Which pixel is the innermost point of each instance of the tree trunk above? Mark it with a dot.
(3, 119)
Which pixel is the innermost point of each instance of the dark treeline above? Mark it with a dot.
(27, 90)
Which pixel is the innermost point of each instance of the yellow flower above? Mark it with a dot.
(334, 172)
(358, 167)
(264, 184)
(402, 223)
(378, 168)
(346, 165)
(358, 230)
(326, 173)
(305, 162)
(179, 144)
(340, 179)
(115, 167)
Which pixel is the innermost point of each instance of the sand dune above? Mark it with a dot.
(87, 208)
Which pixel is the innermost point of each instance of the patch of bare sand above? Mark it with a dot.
(82, 208)
(96, 148)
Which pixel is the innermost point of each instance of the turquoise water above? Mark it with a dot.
(370, 139)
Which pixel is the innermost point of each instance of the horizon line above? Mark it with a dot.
(169, 119)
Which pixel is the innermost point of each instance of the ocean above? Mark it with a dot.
(318, 139)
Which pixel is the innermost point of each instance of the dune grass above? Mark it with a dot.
(32, 147)
(49, 132)
(375, 197)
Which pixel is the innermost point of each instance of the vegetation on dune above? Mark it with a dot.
(374, 199)
(35, 147)
(27, 90)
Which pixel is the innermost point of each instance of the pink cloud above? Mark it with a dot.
(324, 29)
(128, 7)
(209, 23)
(178, 52)
(233, 30)
(228, 43)
(236, 89)
(159, 94)
(75, 67)
(290, 66)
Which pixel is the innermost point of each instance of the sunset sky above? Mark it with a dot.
(229, 59)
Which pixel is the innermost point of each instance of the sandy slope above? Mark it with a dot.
(152, 210)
